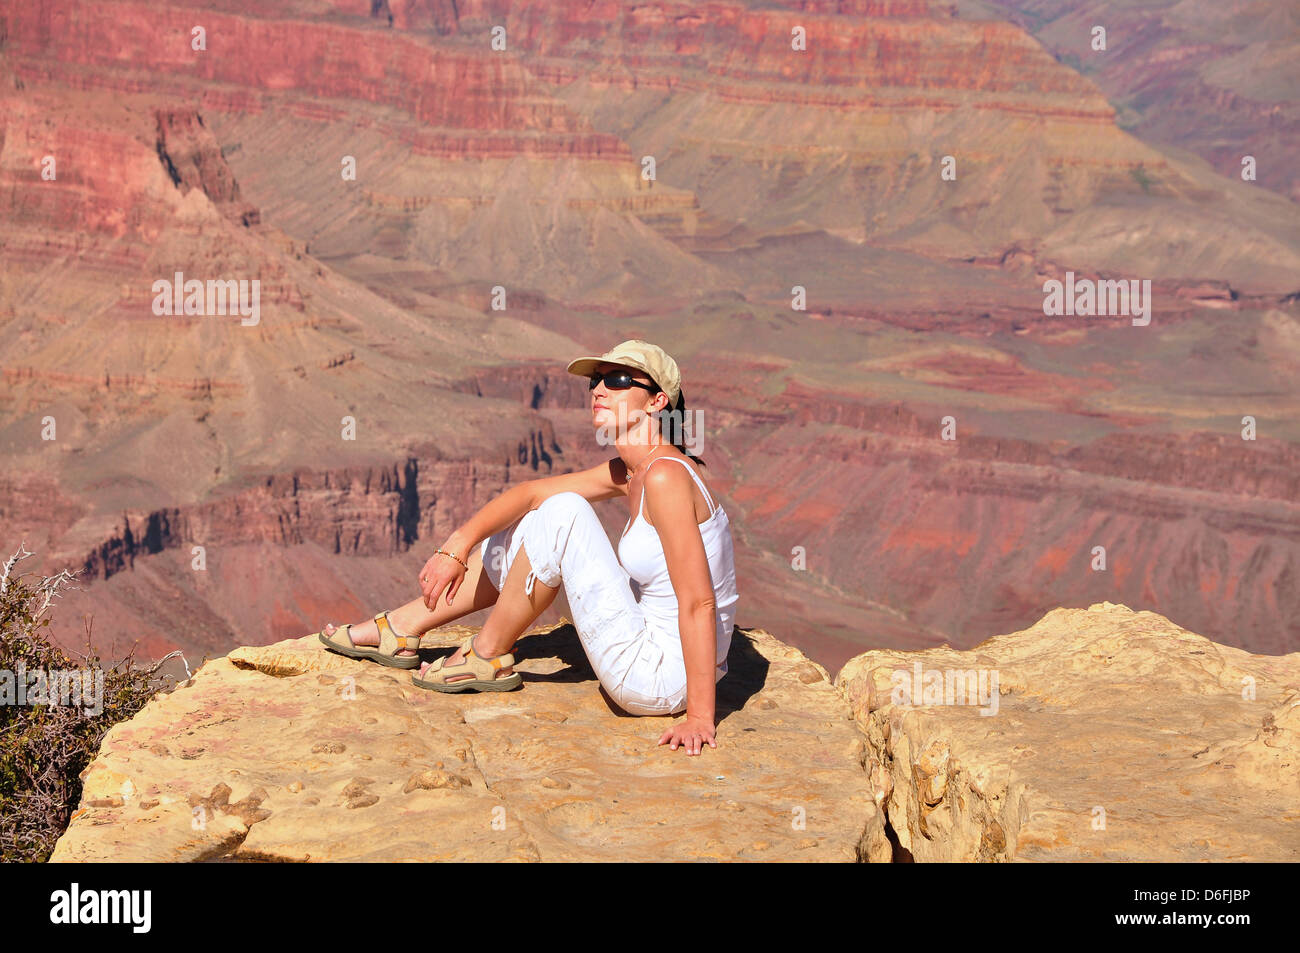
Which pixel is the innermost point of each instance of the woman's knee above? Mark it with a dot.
(566, 502)
(639, 703)
(638, 708)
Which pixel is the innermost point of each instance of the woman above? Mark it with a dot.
(655, 620)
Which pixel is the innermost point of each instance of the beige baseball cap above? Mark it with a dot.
(643, 356)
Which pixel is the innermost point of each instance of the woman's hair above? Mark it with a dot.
(673, 422)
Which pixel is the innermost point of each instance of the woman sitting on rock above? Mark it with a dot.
(655, 620)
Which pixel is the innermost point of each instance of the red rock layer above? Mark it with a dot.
(365, 511)
(193, 159)
(102, 181)
(1197, 461)
(898, 53)
(147, 48)
(968, 535)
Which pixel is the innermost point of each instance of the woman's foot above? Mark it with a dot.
(456, 658)
(367, 633)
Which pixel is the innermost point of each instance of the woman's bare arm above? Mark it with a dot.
(496, 514)
(604, 481)
(670, 501)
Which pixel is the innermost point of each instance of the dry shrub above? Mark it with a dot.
(45, 747)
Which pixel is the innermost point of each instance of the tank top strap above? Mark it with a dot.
(691, 470)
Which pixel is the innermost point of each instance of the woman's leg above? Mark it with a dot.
(513, 614)
(563, 541)
(476, 592)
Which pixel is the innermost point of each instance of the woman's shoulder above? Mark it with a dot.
(670, 482)
(666, 476)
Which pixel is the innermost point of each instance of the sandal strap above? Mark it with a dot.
(346, 631)
(485, 668)
(496, 661)
(390, 643)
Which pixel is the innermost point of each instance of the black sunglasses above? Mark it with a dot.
(619, 380)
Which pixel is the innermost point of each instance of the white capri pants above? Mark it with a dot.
(639, 665)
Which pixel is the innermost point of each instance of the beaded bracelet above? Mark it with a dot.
(453, 556)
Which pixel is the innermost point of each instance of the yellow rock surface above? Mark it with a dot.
(290, 752)
(1116, 735)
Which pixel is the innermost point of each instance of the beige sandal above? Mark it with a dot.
(390, 643)
(485, 668)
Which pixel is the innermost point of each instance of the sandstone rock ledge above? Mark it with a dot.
(1117, 736)
(292, 753)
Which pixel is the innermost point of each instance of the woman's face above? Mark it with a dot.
(634, 401)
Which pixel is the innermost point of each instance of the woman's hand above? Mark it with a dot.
(440, 572)
(693, 733)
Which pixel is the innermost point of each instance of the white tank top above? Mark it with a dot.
(641, 553)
